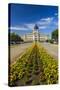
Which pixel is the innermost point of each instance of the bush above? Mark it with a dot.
(51, 41)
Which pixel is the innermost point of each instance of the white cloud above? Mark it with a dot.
(30, 25)
(56, 14)
(45, 21)
(55, 23)
(42, 23)
(42, 27)
(18, 28)
(48, 19)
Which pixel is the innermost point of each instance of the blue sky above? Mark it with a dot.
(24, 17)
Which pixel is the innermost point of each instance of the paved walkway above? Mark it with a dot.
(52, 49)
(17, 50)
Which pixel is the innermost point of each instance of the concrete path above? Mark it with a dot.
(52, 49)
(17, 50)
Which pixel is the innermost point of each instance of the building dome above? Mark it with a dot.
(36, 27)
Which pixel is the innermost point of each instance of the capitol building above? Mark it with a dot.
(35, 35)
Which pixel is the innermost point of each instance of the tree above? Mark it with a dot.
(15, 38)
(55, 35)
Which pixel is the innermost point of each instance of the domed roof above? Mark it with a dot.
(36, 27)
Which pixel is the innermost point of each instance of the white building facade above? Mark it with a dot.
(35, 35)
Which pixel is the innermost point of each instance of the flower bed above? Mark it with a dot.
(33, 68)
(50, 66)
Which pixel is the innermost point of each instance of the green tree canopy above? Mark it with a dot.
(14, 37)
(55, 34)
